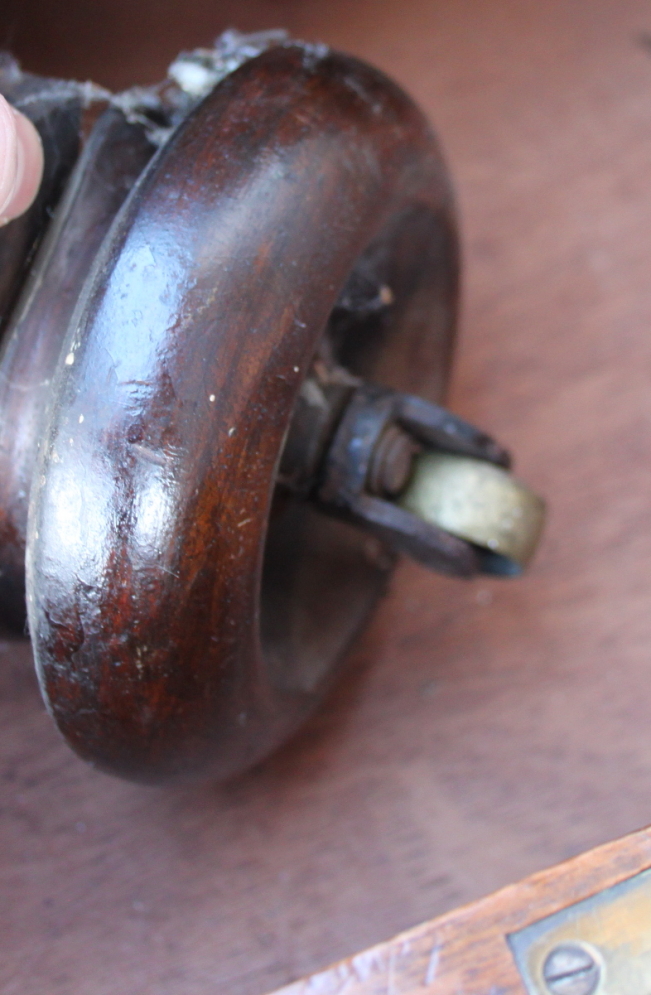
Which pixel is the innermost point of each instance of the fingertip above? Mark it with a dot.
(8, 153)
(21, 162)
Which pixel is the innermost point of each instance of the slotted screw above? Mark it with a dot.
(570, 969)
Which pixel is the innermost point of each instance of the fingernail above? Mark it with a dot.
(21, 162)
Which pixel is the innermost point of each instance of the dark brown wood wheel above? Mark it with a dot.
(186, 615)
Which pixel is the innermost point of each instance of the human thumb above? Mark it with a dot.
(21, 162)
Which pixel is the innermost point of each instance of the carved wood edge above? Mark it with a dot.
(465, 952)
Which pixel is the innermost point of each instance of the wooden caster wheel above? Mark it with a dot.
(233, 447)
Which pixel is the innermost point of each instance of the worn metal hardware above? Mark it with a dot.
(430, 484)
(600, 946)
(571, 969)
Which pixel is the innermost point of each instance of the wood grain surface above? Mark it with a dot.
(490, 728)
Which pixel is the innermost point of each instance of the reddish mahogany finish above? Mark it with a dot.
(183, 621)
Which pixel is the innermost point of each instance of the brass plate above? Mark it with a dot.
(613, 927)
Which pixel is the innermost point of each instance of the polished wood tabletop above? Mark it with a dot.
(488, 728)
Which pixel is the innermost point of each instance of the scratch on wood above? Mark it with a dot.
(150, 455)
(433, 965)
(391, 972)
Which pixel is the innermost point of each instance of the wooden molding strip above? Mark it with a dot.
(466, 952)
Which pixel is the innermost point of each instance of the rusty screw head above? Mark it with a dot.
(391, 462)
(570, 969)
